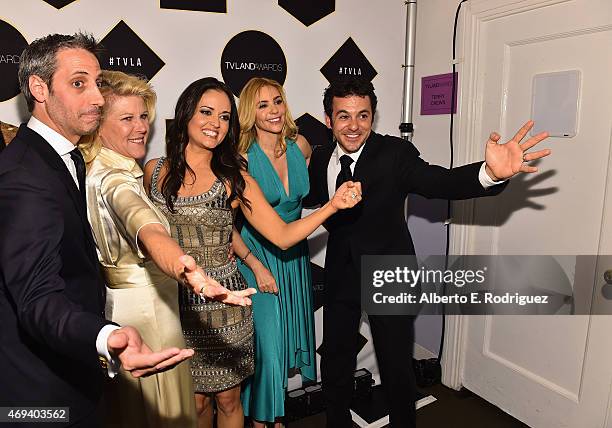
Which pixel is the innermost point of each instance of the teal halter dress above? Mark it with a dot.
(284, 323)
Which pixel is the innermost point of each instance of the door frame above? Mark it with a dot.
(469, 149)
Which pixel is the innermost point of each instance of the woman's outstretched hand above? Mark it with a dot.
(208, 288)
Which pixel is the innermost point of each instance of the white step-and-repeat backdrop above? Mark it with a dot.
(302, 44)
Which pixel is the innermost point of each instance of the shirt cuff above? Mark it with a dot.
(484, 178)
(113, 364)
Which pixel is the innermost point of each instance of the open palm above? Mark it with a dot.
(202, 283)
(137, 358)
(506, 160)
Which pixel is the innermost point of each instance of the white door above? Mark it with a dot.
(546, 371)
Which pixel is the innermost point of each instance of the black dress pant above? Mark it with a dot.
(393, 337)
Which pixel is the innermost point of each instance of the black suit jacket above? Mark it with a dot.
(51, 291)
(388, 168)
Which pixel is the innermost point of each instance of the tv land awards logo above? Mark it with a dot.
(348, 60)
(12, 43)
(308, 12)
(218, 6)
(58, 4)
(124, 51)
(315, 132)
(252, 54)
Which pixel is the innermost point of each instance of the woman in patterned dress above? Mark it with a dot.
(198, 185)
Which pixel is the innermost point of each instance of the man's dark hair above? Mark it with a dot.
(345, 86)
(40, 58)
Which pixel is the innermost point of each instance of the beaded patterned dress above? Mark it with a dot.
(221, 335)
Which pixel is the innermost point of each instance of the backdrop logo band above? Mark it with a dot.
(12, 43)
(125, 51)
(251, 66)
(124, 61)
(9, 59)
(348, 61)
(252, 54)
(354, 71)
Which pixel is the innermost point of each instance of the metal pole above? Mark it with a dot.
(407, 127)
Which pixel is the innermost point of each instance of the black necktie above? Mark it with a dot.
(345, 173)
(79, 163)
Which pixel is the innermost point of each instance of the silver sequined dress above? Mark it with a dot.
(220, 334)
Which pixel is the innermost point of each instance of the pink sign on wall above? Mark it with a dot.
(436, 95)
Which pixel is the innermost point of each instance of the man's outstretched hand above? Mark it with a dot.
(207, 287)
(137, 358)
(504, 161)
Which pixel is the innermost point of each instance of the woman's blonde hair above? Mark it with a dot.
(117, 84)
(248, 107)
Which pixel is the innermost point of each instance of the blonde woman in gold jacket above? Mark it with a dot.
(140, 261)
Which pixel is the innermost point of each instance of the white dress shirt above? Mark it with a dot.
(334, 166)
(63, 147)
(60, 144)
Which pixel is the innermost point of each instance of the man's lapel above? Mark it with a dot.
(364, 165)
(50, 156)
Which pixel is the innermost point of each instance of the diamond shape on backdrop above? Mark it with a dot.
(348, 60)
(124, 50)
(361, 342)
(58, 4)
(12, 43)
(308, 12)
(218, 6)
(168, 122)
(314, 130)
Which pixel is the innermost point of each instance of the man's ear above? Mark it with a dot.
(38, 88)
(328, 121)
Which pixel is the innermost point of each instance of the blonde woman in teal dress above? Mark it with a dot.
(282, 311)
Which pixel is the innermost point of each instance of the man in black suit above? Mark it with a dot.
(388, 168)
(53, 332)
